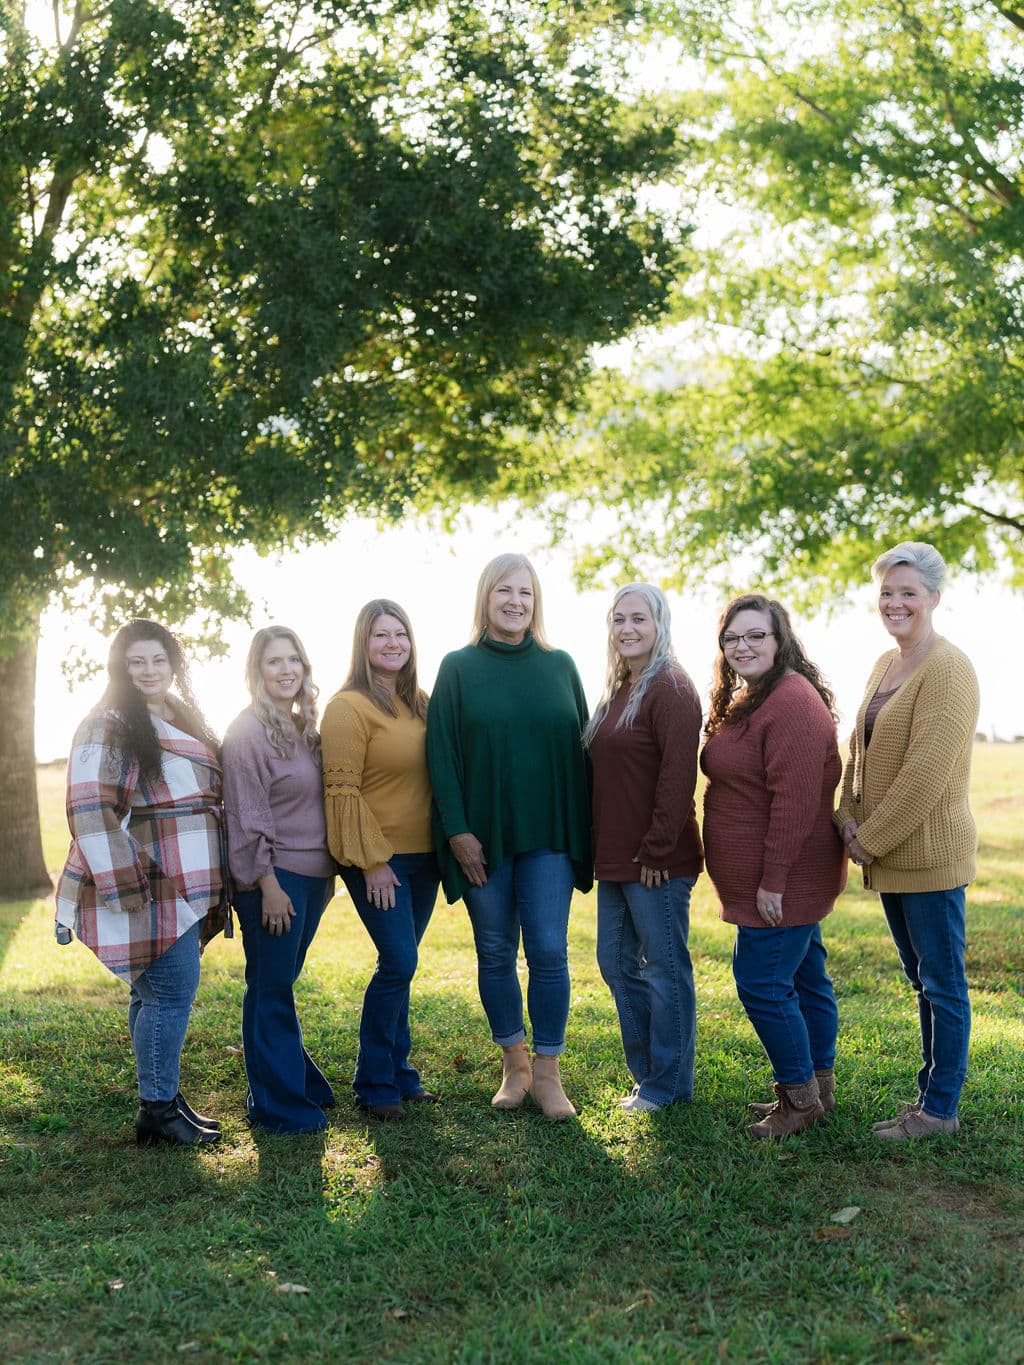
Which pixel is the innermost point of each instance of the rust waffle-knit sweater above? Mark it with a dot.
(644, 779)
(768, 808)
(908, 789)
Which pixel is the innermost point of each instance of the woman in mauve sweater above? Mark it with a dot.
(643, 741)
(772, 851)
(905, 818)
(505, 751)
(377, 796)
(282, 867)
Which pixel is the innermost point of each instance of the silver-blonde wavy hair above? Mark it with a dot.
(498, 568)
(662, 656)
(304, 713)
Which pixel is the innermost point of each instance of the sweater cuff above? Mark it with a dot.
(773, 877)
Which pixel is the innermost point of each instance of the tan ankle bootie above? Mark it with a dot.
(826, 1093)
(547, 1089)
(515, 1077)
(798, 1108)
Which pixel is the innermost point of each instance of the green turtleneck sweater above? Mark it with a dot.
(506, 760)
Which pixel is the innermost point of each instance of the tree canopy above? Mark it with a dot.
(267, 262)
(845, 363)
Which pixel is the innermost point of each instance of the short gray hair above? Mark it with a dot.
(920, 556)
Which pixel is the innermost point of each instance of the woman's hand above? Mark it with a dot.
(769, 907)
(380, 887)
(277, 908)
(469, 854)
(651, 876)
(856, 849)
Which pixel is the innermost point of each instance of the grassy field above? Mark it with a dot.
(466, 1235)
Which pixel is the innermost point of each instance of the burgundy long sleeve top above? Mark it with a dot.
(644, 780)
(768, 808)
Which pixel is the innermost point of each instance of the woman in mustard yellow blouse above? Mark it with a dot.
(377, 800)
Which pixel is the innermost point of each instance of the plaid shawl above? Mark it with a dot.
(145, 861)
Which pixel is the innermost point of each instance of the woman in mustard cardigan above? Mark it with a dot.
(377, 801)
(905, 819)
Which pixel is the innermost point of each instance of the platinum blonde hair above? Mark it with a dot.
(499, 568)
(917, 554)
(662, 656)
(279, 733)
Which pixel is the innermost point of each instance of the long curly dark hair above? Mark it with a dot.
(137, 734)
(733, 700)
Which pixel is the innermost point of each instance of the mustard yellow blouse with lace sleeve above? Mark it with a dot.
(376, 788)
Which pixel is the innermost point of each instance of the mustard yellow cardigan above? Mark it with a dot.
(908, 792)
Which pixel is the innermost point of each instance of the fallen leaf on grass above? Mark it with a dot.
(831, 1234)
(190, 1346)
(899, 1338)
(400, 1313)
(723, 1349)
(643, 1300)
(114, 1285)
(286, 1288)
(233, 1051)
(846, 1215)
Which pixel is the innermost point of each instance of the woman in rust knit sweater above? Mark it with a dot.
(772, 849)
(643, 741)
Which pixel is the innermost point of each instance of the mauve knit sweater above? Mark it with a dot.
(768, 808)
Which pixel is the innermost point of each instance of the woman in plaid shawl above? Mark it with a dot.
(144, 878)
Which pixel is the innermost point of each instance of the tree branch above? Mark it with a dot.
(1014, 523)
(1014, 16)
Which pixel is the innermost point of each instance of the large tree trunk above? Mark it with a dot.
(22, 869)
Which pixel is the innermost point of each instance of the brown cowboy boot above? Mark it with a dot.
(798, 1108)
(826, 1093)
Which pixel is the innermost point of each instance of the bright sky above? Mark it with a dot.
(318, 591)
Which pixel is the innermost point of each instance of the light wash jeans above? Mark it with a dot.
(643, 956)
(159, 1008)
(528, 894)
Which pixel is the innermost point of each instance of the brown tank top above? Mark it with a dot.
(871, 714)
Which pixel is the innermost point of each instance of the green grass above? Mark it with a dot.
(466, 1235)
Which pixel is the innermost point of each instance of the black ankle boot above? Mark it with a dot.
(200, 1120)
(163, 1121)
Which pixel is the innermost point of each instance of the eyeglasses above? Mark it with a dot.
(752, 638)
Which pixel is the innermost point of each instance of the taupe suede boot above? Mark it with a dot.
(515, 1077)
(798, 1108)
(826, 1093)
(547, 1089)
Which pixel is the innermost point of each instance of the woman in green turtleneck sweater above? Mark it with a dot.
(512, 818)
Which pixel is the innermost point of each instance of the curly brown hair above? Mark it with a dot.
(734, 701)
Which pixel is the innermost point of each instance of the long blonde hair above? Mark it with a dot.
(662, 656)
(304, 716)
(361, 676)
(500, 567)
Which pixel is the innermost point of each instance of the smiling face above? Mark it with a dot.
(510, 607)
(751, 659)
(150, 671)
(905, 606)
(282, 671)
(633, 632)
(388, 649)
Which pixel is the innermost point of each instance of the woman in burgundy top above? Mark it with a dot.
(773, 851)
(643, 740)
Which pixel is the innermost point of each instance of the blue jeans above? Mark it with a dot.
(930, 932)
(528, 894)
(287, 1090)
(383, 1072)
(642, 954)
(159, 1007)
(787, 994)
